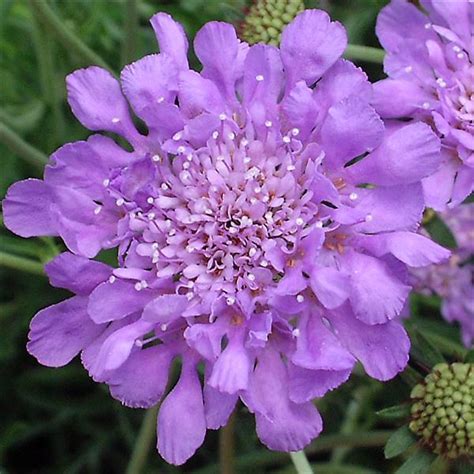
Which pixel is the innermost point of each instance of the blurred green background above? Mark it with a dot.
(58, 420)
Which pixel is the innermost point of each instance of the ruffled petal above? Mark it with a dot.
(112, 301)
(306, 384)
(382, 348)
(351, 128)
(181, 420)
(165, 308)
(218, 407)
(330, 286)
(75, 273)
(171, 38)
(141, 380)
(97, 102)
(151, 80)
(58, 333)
(406, 155)
(377, 295)
(26, 209)
(282, 425)
(309, 60)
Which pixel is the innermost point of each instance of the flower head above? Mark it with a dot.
(430, 64)
(263, 226)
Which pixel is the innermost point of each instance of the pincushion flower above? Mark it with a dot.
(430, 64)
(252, 238)
(453, 280)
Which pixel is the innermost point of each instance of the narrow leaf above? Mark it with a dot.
(418, 463)
(401, 440)
(394, 413)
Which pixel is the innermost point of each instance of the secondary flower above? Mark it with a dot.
(453, 280)
(430, 64)
(262, 225)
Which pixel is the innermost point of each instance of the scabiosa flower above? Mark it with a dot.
(453, 280)
(430, 64)
(263, 226)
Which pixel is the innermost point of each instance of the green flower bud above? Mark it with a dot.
(442, 412)
(266, 19)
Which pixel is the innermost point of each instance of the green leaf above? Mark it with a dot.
(394, 413)
(418, 463)
(440, 232)
(410, 376)
(400, 441)
(469, 357)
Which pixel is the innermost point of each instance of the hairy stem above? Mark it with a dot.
(21, 263)
(301, 463)
(364, 53)
(69, 40)
(21, 148)
(143, 443)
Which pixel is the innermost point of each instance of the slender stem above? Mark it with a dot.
(446, 346)
(45, 58)
(142, 444)
(21, 263)
(364, 53)
(21, 148)
(301, 463)
(226, 447)
(129, 45)
(69, 40)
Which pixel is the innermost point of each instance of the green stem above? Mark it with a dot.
(446, 346)
(364, 53)
(142, 445)
(21, 148)
(301, 463)
(20, 263)
(45, 58)
(69, 40)
(226, 447)
(129, 45)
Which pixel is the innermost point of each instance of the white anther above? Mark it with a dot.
(106, 182)
(222, 116)
(230, 300)
(154, 245)
(295, 332)
(164, 327)
(112, 279)
(215, 134)
(233, 230)
(259, 78)
(151, 215)
(97, 210)
(181, 149)
(456, 49)
(319, 224)
(177, 136)
(251, 277)
(244, 142)
(115, 120)
(190, 249)
(231, 135)
(299, 221)
(253, 200)
(208, 212)
(189, 295)
(138, 286)
(257, 189)
(266, 198)
(460, 55)
(144, 284)
(252, 252)
(164, 187)
(264, 263)
(150, 200)
(353, 196)
(220, 158)
(160, 99)
(189, 157)
(295, 131)
(300, 298)
(156, 158)
(268, 123)
(369, 218)
(426, 105)
(186, 165)
(247, 160)
(291, 168)
(427, 26)
(172, 232)
(286, 139)
(441, 82)
(119, 202)
(408, 69)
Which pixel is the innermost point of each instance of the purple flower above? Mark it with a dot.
(263, 226)
(453, 281)
(430, 64)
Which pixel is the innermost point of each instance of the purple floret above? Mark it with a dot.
(430, 64)
(263, 228)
